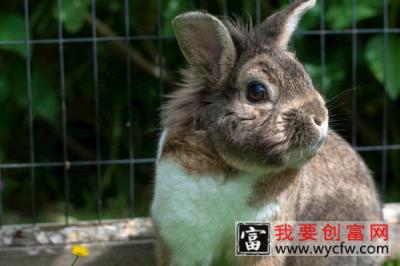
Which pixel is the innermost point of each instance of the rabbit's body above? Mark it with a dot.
(246, 139)
(196, 212)
(207, 204)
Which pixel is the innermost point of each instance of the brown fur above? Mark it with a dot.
(195, 154)
(270, 188)
(317, 194)
(213, 129)
(272, 31)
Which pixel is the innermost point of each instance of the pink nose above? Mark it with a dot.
(323, 127)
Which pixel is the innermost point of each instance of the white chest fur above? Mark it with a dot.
(196, 215)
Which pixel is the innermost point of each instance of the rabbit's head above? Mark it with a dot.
(246, 92)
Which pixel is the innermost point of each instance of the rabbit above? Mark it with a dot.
(246, 138)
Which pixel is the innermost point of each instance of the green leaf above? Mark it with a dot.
(172, 9)
(73, 14)
(374, 55)
(3, 88)
(336, 75)
(12, 28)
(44, 98)
(339, 14)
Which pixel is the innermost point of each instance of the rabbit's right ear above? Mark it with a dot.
(205, 42)
(279, 27)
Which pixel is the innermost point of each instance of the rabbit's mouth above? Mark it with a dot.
(271, 157)
(299, 156)
(309, 145)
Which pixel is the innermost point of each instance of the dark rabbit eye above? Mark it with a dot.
(257, 92)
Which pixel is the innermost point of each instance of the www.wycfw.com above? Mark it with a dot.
(332, 250)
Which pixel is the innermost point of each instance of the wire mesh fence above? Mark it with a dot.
(66, 163)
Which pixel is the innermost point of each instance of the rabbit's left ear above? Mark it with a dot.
(205, 42)
(278, 28)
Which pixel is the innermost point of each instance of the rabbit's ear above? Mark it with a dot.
(205, 42)
(279, 27)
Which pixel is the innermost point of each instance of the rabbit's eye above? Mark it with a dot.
(257, 92)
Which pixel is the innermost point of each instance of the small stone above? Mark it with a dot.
(7, 240)
(42, 238)
(56, 239)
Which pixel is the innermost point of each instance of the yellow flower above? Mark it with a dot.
(80, 251)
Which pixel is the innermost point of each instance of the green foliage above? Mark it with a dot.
(12, 29)
(73, 14)
(339, 14)
(44, 98)
(392, 262)
(337, 74)
(375, 54)
(3, 88)
(172, 9)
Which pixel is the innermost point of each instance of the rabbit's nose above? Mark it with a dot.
(317, 121)
(322, 125)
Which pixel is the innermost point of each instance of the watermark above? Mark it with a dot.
(331, 238)
(253, 239)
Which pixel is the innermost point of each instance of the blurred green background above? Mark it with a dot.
(147, 18)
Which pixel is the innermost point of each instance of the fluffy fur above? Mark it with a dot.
(198, 218)
(224, 158)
